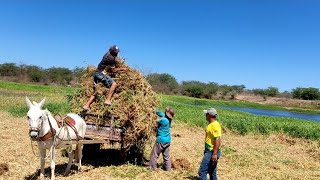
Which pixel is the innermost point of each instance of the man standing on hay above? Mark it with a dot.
(162, 144)
(108, 61)
(212, 146)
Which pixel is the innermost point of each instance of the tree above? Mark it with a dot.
(60, 75)
(310, 93)
(210, 90)
(306, 93)
(193, 88)
(225, 89)
(297, 92)
(271, 91)
(9, 69)
(238, 88)
(163, 83)
(35, 73)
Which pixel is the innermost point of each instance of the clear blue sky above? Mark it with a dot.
(257, 43)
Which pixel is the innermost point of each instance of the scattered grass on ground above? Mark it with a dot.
(243, 157)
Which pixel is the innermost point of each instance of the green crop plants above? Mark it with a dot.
(44, 89)
(243, 123)
(203, 102)
(61, 108)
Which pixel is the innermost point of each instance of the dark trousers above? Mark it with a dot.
(208, 166)
(156, 150)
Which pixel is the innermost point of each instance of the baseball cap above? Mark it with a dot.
(114, 48)
(211, 111)
(170, 112)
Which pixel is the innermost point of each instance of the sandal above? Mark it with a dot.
(85, 109)
(107, 104)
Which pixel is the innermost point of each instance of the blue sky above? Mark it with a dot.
(257, 43)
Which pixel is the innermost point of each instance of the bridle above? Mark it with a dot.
(35, 129)
(50, 134)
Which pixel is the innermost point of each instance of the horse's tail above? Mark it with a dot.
(84, 128)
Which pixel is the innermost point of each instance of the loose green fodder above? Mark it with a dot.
(133, 105)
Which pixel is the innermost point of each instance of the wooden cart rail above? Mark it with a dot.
(98, 134)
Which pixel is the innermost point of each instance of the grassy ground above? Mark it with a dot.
(12, 97)
(251, 148)
(244, 157)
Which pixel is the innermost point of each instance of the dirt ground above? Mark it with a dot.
(279, 101)
(243, 157)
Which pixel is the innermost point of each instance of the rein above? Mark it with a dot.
(49, 134)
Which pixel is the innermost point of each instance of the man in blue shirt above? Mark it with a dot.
(162, 144)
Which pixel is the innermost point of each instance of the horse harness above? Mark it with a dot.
(67, 121)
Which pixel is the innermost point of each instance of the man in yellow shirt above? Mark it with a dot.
(212, 146)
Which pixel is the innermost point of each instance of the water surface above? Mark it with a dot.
(312, 117)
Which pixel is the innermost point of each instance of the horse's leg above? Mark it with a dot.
(53, 159)
(76, 156)
(70, 155)
(42, 161)
(79, 154)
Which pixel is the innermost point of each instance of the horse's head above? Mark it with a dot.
(35, 118)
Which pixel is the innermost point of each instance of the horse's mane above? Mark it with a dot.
(47, 112)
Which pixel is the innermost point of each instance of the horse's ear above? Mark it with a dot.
(29, 104)
(42, 102)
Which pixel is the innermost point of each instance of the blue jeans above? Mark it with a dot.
(104, 79)
(208, 166)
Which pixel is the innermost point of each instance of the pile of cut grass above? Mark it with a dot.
(133, 106)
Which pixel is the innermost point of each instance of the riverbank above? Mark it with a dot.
(297, 105)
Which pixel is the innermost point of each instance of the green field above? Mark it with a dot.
(188, 110)
(240, 122)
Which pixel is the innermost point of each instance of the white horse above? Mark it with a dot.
(45, 129)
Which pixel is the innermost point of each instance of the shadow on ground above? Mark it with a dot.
(93, 156)
(59, 171)
(192, 178)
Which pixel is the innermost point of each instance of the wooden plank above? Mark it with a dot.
(104, 132)
(93, 114)
(92, 142)
(90, 113)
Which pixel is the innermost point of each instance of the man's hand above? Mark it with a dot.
(214, 157)
(167, 109)
(122, 69)
(115, 70)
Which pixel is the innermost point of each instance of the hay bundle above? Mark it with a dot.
(132, 108)
(181, 164)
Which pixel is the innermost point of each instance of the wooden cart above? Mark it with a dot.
(98, 134)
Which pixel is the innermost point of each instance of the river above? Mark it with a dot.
(312, 117)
